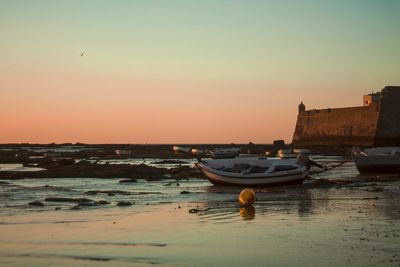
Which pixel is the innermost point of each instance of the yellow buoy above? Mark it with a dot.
(247, 197)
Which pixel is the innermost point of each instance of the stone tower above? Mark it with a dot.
(302, 107)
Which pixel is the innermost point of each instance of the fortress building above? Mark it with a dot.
(375, 123)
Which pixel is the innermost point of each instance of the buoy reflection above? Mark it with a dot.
(247, 212)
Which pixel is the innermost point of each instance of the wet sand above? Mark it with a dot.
(335, 219)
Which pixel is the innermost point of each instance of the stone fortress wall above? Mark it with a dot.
(377, 122)
(388, 132)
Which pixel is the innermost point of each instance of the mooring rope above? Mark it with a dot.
(325, 169)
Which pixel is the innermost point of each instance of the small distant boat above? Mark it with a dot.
(302, 151)
(219, 153)
(121, 152)
(377, 160)
(252, 171)
(182, 149)
(200, 152)
(286, 154)
(249, 156)
(50, 155)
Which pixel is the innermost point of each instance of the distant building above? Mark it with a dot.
(375, 123)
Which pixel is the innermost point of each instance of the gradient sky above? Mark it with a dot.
(186, 71)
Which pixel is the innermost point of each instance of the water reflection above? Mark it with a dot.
(270, 201)
(305, 204)
(247, 213)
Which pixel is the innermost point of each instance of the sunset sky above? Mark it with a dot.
(186, 71)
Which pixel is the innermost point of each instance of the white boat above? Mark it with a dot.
(250, 171)
(286, 154)
(302, 151)
(196, 151)
(121, 152)
(249, 156)
(225, 152)
(178, 149)
(377, 160)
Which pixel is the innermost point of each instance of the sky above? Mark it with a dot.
(186, 71)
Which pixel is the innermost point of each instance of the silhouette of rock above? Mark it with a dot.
(36, 203)
(124, 203)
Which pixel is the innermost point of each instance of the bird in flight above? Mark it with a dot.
(82, 54)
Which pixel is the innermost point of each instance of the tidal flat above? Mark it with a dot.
(336, 218)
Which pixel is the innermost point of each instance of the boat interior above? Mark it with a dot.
(383, 151)
(259, 166)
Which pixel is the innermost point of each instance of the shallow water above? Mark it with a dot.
(316, 224)
(154, 162)
(16, 167)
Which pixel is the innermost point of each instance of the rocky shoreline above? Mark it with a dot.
(11, 153)
(91, 161)
(86, 169)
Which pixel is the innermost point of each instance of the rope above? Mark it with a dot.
(330, 167)
(177, 180)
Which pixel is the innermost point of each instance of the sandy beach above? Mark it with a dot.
(334, 219)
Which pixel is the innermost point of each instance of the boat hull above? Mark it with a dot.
(295, 178)
(225, 153)
(376, 164)
(120, 152)
(180, 149)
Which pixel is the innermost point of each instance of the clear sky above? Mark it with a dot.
(186, 71)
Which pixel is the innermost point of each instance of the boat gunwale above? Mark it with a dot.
(265, 175)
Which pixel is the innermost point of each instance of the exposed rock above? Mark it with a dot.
(83, 162)
(102, 202)
(56, 169)
(86, 204)
(61, 169)
(68, 199)
(124, 203)
(109, 192)
(36, 203)
(66, 162)
(127, 181)
(91, 192)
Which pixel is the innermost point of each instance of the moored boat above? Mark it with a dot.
(178, 149)
(121, 152)
(302, 151)
(254, 171)
(286, 154)
(377, 160)
(200, 152)
(219, 153)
